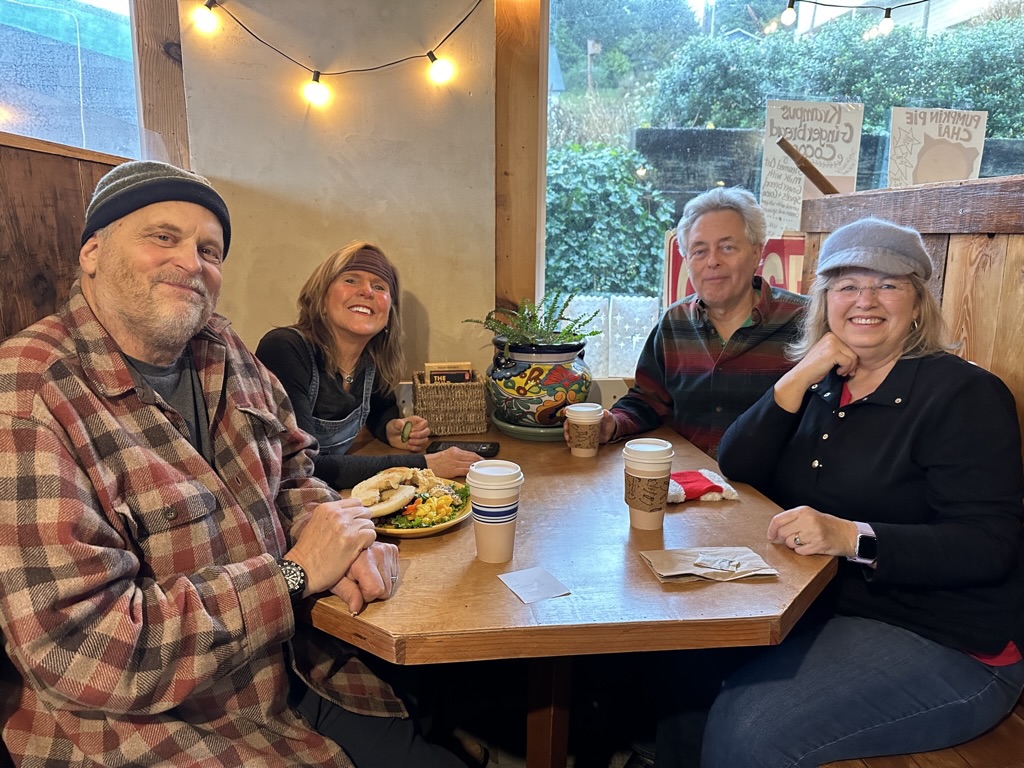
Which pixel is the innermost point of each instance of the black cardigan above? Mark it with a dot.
(932, 460)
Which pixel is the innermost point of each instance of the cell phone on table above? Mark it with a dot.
(481, 449)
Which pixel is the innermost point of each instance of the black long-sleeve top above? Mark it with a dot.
(932, 460)
(287, 357)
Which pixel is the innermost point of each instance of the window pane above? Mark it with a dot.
(67, 74)
(652, 102)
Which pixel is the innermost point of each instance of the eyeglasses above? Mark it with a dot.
(886, 290)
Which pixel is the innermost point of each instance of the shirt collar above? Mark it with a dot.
(893, 391)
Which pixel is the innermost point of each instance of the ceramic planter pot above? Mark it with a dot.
(532, 384)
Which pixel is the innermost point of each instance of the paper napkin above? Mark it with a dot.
(714, 563)
(703, 484)
(532, 584)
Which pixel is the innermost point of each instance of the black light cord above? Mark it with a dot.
(213, 4)
(856, 7)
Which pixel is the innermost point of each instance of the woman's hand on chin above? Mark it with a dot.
(828, 353)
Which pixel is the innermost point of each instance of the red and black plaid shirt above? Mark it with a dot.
(139, 597)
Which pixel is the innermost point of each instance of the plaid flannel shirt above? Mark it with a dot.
(140, 601)
(686, 378)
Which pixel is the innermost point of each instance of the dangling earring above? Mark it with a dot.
(914, 326)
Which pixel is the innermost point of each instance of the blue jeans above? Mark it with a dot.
(852, 688)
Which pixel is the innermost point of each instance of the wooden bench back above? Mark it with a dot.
(44, 191)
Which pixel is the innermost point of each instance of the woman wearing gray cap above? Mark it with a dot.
(904, 461)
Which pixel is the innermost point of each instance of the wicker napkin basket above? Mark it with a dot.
(451, 408)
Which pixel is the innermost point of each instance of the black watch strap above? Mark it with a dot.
(294, 577)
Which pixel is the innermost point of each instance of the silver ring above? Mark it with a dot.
(796, 540)
(394, 580)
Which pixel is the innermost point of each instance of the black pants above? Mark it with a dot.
(371, 742)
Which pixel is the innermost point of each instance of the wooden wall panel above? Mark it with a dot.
(1008, 357)
(156, 35)
(971, 295)
(520, 145)
(960, 207)
(812, 247)
(43, 197)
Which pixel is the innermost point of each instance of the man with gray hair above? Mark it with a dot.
(716, 351)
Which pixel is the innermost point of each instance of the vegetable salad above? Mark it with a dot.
(441, 504)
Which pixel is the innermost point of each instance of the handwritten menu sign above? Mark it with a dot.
(827, 134)
(935, 145)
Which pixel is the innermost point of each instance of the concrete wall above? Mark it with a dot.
(393, 158)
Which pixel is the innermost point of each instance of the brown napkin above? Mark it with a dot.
(714, 563)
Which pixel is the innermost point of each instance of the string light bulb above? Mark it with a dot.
(205, 19)
(441, 70)
(885, 26)
(316, 93)
(789, 15)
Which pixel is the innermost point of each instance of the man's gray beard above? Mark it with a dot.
(171, 334)
(167, 332)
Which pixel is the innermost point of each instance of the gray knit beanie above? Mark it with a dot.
(138, 183)
(877, 245)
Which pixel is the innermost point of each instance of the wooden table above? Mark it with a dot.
(574, 523)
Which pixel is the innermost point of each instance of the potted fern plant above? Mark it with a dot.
(538, 365)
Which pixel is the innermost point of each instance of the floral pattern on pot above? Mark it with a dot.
(531, 384)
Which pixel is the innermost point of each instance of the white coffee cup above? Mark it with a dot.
(584, 427)
(494, 495)
(648, 463)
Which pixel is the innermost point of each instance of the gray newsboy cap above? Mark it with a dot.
(138, 183)
(877, 245)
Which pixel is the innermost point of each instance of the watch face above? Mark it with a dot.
(294, 577)
(867, 547)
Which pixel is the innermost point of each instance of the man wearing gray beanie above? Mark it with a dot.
(164, 521)
(134, 185)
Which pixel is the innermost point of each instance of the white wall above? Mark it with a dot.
(393, 159)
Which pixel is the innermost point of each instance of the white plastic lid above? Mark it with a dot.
(585, 408)
(588, 412)
(648, 449)
(494, 473)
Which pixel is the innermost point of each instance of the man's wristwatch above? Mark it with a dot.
(867, 545)
(294, 577)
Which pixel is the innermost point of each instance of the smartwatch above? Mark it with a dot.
(294, 577)
(867, 545)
